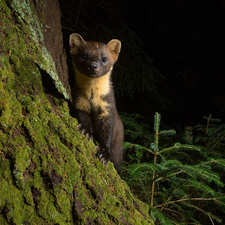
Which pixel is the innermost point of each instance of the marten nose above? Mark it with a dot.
(93, 67)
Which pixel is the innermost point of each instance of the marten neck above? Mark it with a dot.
(99, 86)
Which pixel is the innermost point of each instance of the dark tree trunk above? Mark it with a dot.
(49, 173)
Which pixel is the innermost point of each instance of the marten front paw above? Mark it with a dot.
(85, 132)
(103, 155)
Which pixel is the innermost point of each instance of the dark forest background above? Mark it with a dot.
(172, 57)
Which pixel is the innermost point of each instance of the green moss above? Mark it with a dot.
(3, 221)
(33, 30)
(48, 171)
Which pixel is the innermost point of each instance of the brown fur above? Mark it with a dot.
(93, 97)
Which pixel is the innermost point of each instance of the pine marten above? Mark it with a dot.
(93, 96)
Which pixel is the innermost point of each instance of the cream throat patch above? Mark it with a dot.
(92, 91)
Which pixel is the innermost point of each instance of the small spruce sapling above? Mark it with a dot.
(173, 188)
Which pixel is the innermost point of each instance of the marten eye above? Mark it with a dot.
(83, 56)
(104, 59)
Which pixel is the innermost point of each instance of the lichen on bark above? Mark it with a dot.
(37, 29)
(49, 172)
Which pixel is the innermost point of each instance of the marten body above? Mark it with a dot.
(93, 96)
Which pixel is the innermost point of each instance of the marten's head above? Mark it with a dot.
(93, 59)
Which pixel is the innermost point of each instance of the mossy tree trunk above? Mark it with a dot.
(49, 173)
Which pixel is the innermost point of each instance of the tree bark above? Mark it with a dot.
(49, 173)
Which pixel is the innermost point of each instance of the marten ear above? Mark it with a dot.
(75, 41)
(114, 46)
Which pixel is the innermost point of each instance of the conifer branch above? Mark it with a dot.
(188, 199)
(182, 182)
